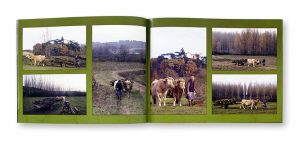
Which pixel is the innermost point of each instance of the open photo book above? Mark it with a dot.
(114, 69)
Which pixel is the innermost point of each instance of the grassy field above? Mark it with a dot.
(104, 99)
(78, 101)
(224, 62)
(198, 108)
(235, 109)
(31, 67)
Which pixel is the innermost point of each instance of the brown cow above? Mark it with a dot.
(178, 91)
(160, 88)
(128, 84)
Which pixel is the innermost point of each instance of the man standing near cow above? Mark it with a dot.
(119, 89)
(191, 93)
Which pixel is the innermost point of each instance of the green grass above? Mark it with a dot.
(235, 109)
(108, 104)
(29, 67)
(198, 108)
(224, 62)
(78, 101)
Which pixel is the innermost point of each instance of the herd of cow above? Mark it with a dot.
(122, 86)
(161, 87)
(249, 62)
(244, 104)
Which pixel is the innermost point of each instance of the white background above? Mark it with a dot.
(12, 10)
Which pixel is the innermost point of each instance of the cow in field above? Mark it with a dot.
(127, 85)
(36, 59)
(62, 99)
(253, 62)
(160, 88)
(178, 91)
(249, 103)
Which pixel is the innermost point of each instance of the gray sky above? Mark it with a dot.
(245, 78)
(113, 33)
(66, 81)
(172, 39)
(239, 30)
(32, 36)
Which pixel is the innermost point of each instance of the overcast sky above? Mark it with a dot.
(66, 81)
(246, 78)
(32, 36)
(239, 30)
(113, 33)
(172, 39)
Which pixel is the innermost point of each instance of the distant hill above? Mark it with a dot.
(125, 43)
(123, 50)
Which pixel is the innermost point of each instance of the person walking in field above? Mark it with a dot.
(191, 93)
(77, 63)
(119, 89)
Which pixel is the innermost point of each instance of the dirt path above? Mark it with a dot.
(136, 85)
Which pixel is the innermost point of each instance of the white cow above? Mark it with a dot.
(253, 62)
(36, 59)
(62, 99)
(159, 89)
(252, 103)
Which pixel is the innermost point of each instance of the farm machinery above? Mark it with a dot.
(46, 104)
(65, 61)
(186, 57)
(225, 102)
(52, 103)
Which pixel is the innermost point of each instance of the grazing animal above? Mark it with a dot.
(240, 62)
(128, 84)
(36, 59)
(160, 88)
(252, 103)
(178, 91)
(62, 99)
(253, 62)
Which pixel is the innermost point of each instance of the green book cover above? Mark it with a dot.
(117, 69)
